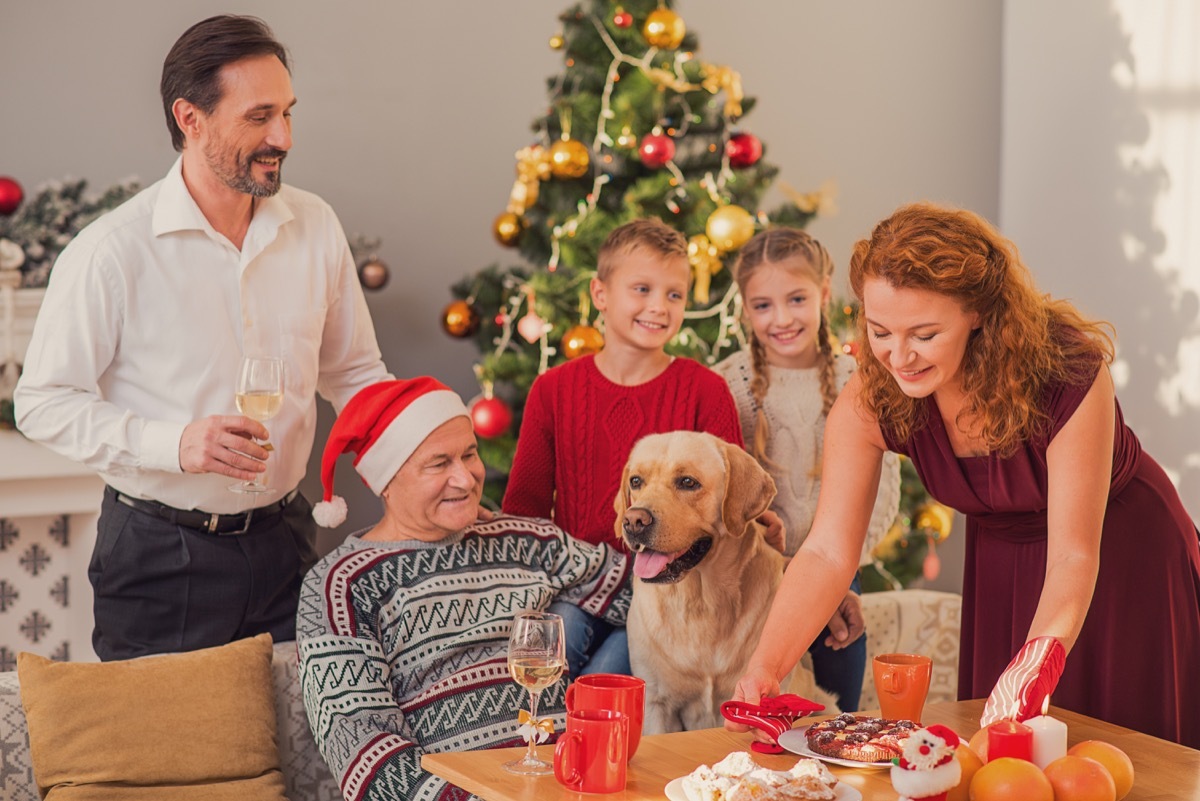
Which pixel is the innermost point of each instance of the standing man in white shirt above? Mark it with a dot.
(134, 358)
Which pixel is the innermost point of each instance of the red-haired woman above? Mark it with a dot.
(1077, 542)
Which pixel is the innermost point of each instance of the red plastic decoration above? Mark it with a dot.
(744, 150)
(656, 149)
(490, 416)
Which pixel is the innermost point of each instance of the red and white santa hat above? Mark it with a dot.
(383, 424)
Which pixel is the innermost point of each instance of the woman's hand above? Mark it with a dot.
(758, 683)
(847, 623)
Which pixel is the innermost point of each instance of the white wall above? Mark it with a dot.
(1101, 188)
(410, 113)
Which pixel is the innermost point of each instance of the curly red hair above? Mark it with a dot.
(1026, 340)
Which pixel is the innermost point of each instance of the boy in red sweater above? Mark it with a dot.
(583, 417)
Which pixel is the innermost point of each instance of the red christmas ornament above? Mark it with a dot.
(11, 195)
(656, 149)
(490, 416)
(622, 19)
(744, 150)
(851, 348)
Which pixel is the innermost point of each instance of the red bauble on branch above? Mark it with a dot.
(490, 416)
(744, 150)
(656, 149)
(622, 18)
(11, 195)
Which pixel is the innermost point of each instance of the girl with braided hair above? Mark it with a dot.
(784, 385)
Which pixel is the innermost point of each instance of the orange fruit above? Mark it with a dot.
(978, 743)
(1078, 778)
(970, 763)
(1111, 757)
(1006, 779)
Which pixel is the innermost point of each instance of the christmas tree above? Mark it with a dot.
(638, 125)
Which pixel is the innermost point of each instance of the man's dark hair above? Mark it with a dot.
(192, 70)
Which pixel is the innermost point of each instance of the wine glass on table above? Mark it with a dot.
(536, 658)
(259, 397)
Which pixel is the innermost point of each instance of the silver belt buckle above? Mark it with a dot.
(211, 526)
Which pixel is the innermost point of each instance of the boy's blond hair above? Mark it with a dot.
(650, 233)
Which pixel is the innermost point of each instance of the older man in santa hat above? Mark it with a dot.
(403, 630)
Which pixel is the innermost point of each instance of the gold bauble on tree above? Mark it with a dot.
(935, 518)
(557, 42)
(581, 340)
(460, 319)
(569, 158)
(664, 29)
(729, 227)
(507, 229)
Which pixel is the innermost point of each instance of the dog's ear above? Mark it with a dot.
(621, 501)
(749, 489)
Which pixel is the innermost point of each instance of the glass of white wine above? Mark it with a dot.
(259, 397)
(536, 658)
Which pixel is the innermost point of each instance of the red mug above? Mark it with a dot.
(590, 755)
(625, 694)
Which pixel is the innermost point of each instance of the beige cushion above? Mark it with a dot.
(197, 725)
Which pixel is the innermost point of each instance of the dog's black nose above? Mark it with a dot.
(636, 521)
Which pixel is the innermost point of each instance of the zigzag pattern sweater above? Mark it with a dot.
(403, 645)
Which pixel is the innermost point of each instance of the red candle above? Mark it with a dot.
(1008, 738)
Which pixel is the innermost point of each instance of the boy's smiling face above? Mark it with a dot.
(643, 299)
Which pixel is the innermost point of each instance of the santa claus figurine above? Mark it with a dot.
(928, 769)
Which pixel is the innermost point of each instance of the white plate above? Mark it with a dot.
(843, 791)
(796, 741)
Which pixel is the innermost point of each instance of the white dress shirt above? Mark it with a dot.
(147, 316)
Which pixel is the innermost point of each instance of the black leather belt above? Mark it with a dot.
(210, 523)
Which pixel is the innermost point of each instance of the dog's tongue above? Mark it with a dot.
(648, 564)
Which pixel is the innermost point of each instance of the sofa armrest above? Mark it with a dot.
(914, 622)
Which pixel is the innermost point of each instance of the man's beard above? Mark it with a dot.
(240, 177)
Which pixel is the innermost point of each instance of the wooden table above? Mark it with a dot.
(1163, 770)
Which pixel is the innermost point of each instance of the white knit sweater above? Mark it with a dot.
(795, 436)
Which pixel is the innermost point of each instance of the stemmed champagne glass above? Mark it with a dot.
(259, 397)
(536, 658)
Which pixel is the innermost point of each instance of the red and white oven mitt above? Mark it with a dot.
(773, 716)
(1029, 678)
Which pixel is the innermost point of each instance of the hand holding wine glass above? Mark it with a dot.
(536, 658)
(259, 397)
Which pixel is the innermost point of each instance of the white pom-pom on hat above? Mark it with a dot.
(331, 513)
(383, 424)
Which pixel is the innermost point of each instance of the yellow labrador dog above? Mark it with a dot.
(705, 577)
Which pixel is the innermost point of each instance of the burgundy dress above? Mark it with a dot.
(1137, 660)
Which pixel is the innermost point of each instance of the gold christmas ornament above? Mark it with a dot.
(729, 227)
(581, 340)
(935, 518)
(460, 319)
(664, 29)
(557, 42)
(533, 166)
(706, 262)
(718, 78)
(569, 158)
(507, 229)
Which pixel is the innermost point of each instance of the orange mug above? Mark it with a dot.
(902, 682)
(625, 694)
(590, 756)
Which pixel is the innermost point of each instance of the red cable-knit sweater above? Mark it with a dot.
(579, 428)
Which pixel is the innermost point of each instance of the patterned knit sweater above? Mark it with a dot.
(403, 645)
(795, 438)
(579, 429)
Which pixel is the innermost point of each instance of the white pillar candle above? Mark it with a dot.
(1049, 737)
